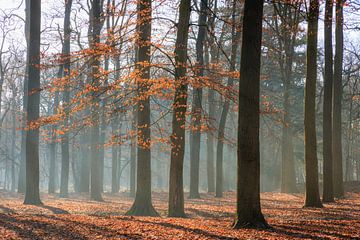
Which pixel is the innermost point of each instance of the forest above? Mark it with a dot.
(157, 119)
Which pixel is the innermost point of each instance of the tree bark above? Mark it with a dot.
(22, 170)
(337, 98)
(328, 195)
(65, 154)
(142, 205)
(195, 132)
(95, 180)
(225, 110)
(32, 195)
(176, 189)
(248, 211)
(312, 198)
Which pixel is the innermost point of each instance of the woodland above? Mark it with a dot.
(157, 119)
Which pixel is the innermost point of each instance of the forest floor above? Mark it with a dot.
(208, 218)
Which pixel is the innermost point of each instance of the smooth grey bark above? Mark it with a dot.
(32, 195)
(65, 153)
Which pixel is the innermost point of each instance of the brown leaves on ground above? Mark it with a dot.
(208, 218)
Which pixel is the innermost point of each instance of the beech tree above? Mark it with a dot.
(312, 198)
(176, 188)
(327, 112)
(32, 195)
(142, 205)
(248, 209)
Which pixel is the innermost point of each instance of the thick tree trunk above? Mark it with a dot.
(176, 189)
(248, 211)
(142, 205)
(312, 198)
(328, 195)
(337, 98)
(195, 133)
(32, 195)
(65, 155)
(210, 142)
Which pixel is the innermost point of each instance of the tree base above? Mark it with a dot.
(97, 198)
(328, 200)
(177, 214)
(142, 210)
(313, 205)
(35, 202)
(258, 223)
(194, 196)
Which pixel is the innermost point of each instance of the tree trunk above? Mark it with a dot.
(176, 189)
(32, 195)
(85, 164)
(65, 155)
(114, 159)
(133, 155)
(195, 132)
(52, 148)
(248, 211)
(337, 98)
(225, 110)
(22, 170)
(328, 195)
(95, 180)
(142, 205)
(312, 198)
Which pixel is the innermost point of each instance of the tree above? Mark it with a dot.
(96, 166)
(327, 112)
(248, 209)
(65, 155)
(235, 32)
(32, 195)
(22, 170)
(337, 97)
(195, 133)
(312, 198)
(176, 189)
(142, 205)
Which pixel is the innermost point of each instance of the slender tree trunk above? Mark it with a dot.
(114, 159)
(195, 133)
(13, 141)
(176, 189)
(95, 180)
(22, 170)
(225, 110)
(85, 164)
(312, 198)
(32, 195)
(349, 166)
(133, 155)
(52, 149)
(143, 205)
(65, 155)
(337, 98)
(328, 195)
(248, 211)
